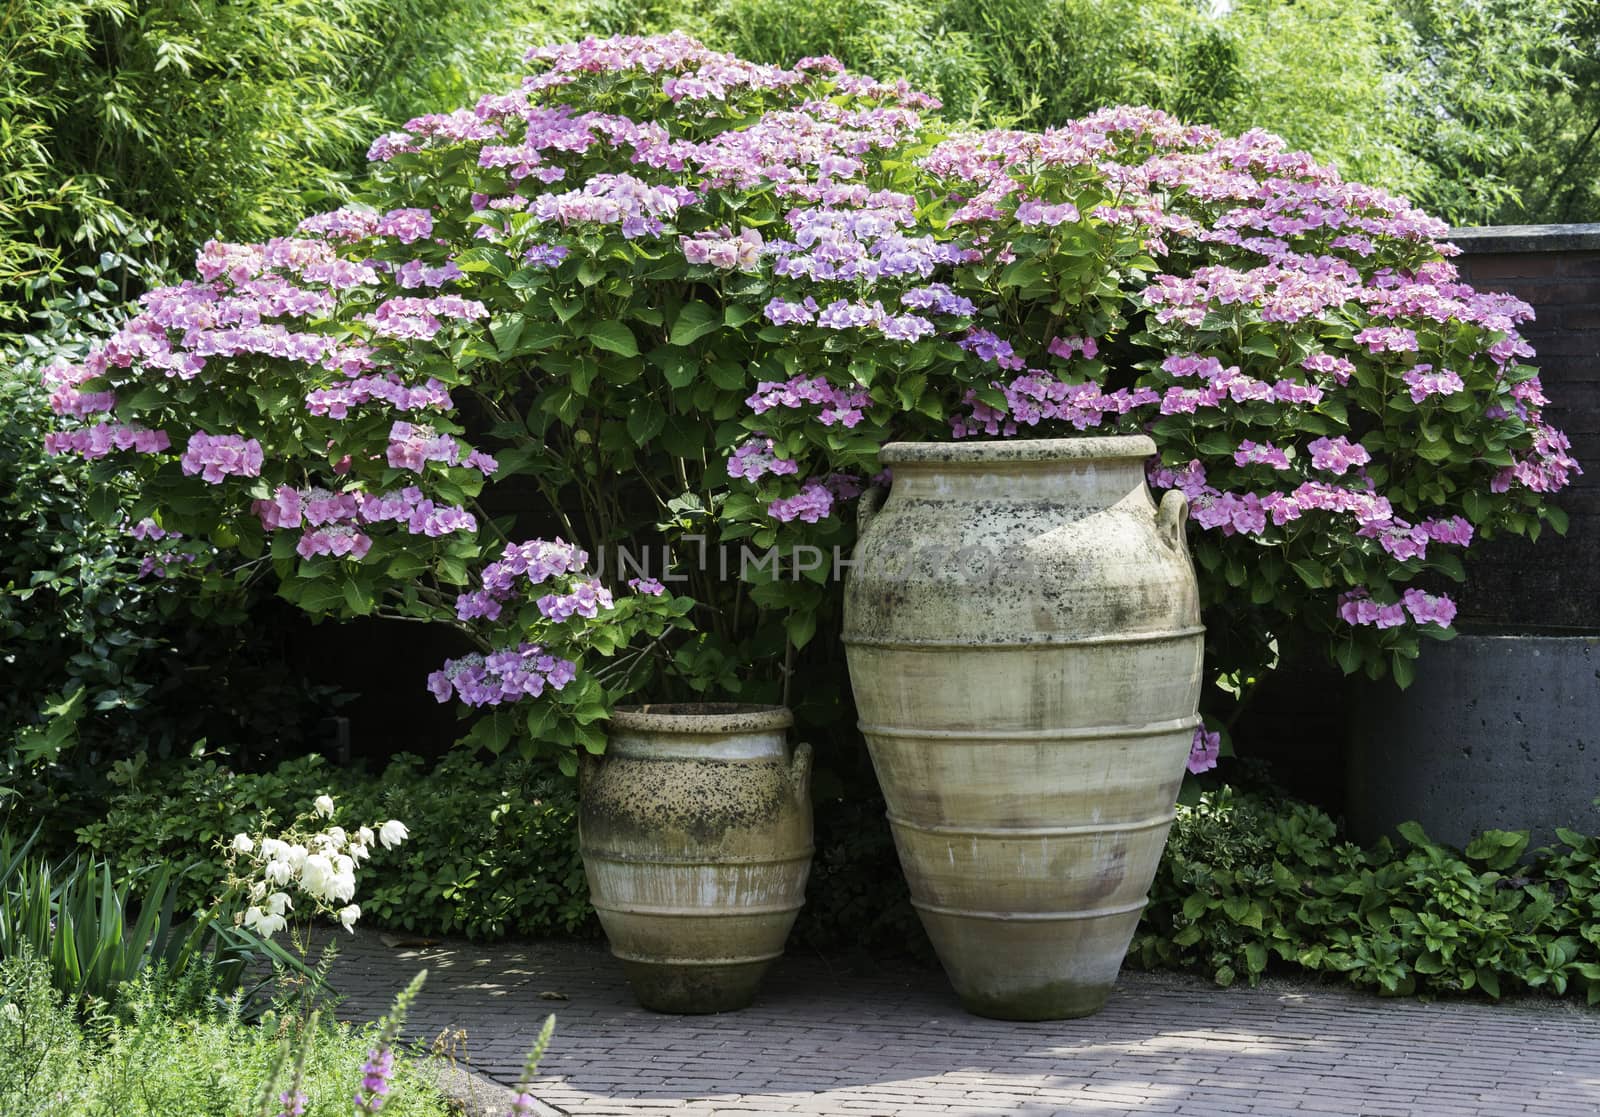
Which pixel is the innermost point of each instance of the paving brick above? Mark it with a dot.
(833, 1037)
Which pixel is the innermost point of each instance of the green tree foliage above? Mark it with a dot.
(1557, 168)
(144, 127)
(493, 849)
(1048, 63)
(1475, 74)
(437, 55)
(1319, 73)
(1481, 111)
(163, 121)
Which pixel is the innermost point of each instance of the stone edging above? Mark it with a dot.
(1526, 238)
(478, 1095)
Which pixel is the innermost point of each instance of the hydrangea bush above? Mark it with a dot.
(659, 294)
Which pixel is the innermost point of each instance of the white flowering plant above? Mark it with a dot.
(313, 860)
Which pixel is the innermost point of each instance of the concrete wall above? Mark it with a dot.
(1301, 721)
(1503, 732)
(1497, 733)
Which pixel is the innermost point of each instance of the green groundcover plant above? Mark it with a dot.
(1248, 886)
(661, 296)
(493, 849)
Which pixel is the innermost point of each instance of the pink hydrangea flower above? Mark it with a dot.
(1338, 455)
(1426, 608)
(758, 457)
(405, 225)
(1204, 750)
(1425, 382)
(215, 457)
(507, 675)
(1356, 608)
(721, 249)
(338, 540)
(1265, 453)
(412, 446)
(586, 599)
(1066, 347)
(812, 503)
(102, 438)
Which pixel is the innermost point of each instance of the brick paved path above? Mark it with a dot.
(892, 1041)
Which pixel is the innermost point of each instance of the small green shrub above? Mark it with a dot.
(153, 125)
(1247, 884)
(156, 1055)
(1244, 886)
(493, 850)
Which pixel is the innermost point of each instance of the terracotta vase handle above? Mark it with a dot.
(867, 507)
(800, 772)
(1173, 515)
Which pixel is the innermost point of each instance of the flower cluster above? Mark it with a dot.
(413, 446)
(758, 457)
(1204, 750)
(336, 400)
(835, 405)
(637, 208)
(335, 522)
(507, 675)
(160, 561)
(1357, 608)
(215, 457)
(100, 439)
(377, 1073)
(534, 562)
(586, 599)
(318, 865)
(416, 319)
(723, 250)
(813, 502)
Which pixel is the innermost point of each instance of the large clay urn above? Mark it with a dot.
(1024, 640)
(695, 830)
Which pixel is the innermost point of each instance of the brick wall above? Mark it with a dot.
(1553, 585)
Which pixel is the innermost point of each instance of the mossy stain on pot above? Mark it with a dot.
(703, 800)
(1057, 1000)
